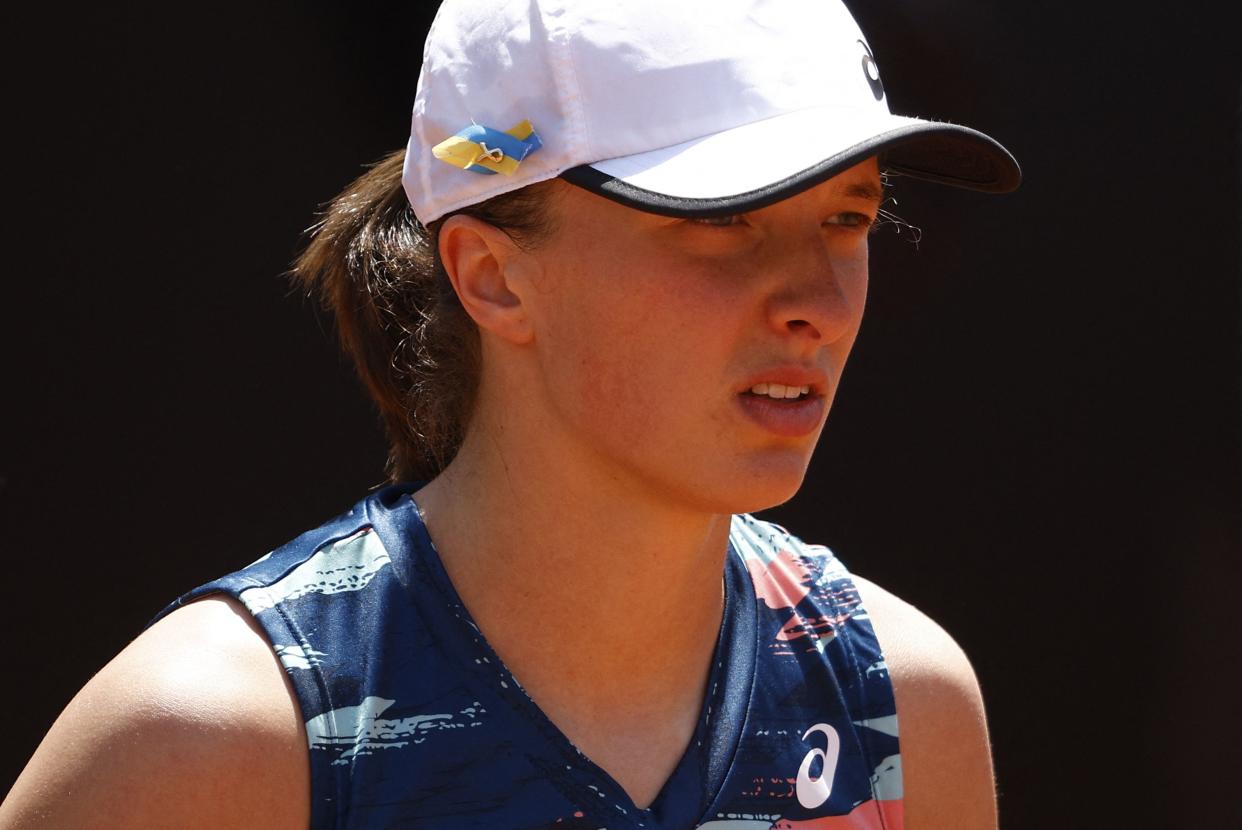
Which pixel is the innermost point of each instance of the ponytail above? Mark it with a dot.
(378, 270)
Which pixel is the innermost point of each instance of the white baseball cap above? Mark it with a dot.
(679, 107)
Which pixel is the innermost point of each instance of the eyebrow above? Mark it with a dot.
(865, 190)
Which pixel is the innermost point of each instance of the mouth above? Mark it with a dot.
(778, 392)
(784, 410)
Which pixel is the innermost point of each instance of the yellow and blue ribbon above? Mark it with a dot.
(484, 150)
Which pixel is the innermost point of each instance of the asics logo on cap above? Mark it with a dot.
(871, 70)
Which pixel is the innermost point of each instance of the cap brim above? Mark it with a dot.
(758, 164)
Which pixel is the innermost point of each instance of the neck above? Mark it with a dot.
(600, 592)
(629, 584)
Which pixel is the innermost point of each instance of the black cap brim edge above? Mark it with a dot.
(944, 153)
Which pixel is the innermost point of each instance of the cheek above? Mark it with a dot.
(851, 276)
(857, 282)
(618, 350)
(620, 340)
(855, 286)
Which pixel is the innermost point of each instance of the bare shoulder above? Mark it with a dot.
(946, 757)
(194, 724)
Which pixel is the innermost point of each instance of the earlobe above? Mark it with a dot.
(481, 261)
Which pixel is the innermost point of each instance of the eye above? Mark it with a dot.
(718, 221)
(851, 219)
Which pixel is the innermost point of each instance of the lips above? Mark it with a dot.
(786, 401)
(787, 375)
(779, 391)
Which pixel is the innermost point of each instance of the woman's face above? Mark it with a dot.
(667, 349)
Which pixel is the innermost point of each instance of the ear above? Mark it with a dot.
(486, 267)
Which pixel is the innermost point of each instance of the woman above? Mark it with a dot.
(603, 301)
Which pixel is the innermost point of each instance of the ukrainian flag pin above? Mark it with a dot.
(481, 149)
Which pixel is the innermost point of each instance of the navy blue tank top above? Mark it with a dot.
(413, 721)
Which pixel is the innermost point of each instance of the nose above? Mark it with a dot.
(818, 296)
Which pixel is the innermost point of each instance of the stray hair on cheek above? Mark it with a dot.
(886, 218)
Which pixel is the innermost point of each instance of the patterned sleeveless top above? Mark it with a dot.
(413, 720)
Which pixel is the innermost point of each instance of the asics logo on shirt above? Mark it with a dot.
(812, 792)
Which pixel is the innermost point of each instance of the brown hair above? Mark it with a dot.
(378, 270)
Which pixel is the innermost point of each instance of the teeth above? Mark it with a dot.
(779, 391)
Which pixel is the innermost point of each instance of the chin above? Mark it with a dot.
(770, 497)
(756, 485)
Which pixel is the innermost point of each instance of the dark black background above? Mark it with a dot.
(1037, 441)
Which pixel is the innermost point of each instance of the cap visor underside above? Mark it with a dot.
(710, 177)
